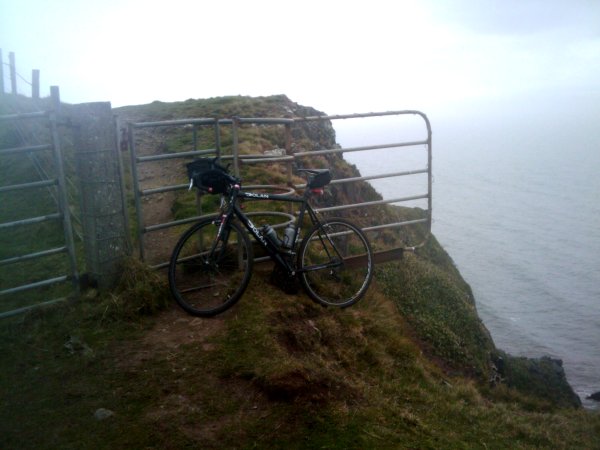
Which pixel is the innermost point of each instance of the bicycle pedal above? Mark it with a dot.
(288, 284)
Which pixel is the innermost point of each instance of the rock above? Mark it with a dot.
(275, 152)
(542, 377)
(75, 345)
(594, 396)
(103, 413)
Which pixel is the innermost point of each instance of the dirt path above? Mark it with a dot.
(172, 330)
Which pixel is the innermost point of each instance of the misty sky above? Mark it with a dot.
(338, 56)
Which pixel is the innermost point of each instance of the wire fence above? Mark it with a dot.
(14, 78)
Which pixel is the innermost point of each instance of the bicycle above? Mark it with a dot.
(212, 262)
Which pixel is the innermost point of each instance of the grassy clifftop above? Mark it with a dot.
(276, 371)
(410, 366)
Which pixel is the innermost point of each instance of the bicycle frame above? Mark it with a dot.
(276, 254)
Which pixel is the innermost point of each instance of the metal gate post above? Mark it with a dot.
(289, 164)
(236, 150)
(136, 192)
(122, 185)
(217, 129)
(63, 201)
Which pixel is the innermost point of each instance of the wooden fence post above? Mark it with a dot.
(55, 98)
(1, 74)
(35, 84)
(13, 73)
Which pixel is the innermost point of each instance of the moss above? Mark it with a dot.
(186, 205)
(441, 312)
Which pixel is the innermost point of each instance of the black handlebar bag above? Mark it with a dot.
(209, 176)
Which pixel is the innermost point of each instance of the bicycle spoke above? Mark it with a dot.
(336, 263)
(208, 275)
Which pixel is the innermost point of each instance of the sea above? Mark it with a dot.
(516, 204)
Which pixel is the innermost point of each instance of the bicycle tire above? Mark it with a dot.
(342, 285)
(204, 282)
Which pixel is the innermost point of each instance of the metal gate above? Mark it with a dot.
(282, 160)
(26, 138)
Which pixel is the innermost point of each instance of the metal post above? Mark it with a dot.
(122, 184)
(218, 139)
(289, 166)
(136, 193)
(288, 150)
(63, 202)
(429, 172)
(198, 193)
(236, 150)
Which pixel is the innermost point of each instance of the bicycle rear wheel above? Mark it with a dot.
(335, 263)
(209, 273)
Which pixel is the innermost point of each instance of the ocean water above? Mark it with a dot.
(516, 203)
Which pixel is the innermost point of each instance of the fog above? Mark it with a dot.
(340, 57)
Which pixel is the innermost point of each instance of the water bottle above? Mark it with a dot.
(288, 236)
(271, 235)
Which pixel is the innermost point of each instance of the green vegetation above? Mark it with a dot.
(410, 366)
(442, 311)
(276, 371)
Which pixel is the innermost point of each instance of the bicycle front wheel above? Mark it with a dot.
(335, 263)
(208, 272)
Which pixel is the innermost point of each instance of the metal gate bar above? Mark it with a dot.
(31, 221)
(33, 256)
(142, 229)
(31, 148)
(427, 170)
(373, 203)
(33, 185)
(257, 158)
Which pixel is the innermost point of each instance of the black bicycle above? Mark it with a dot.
(212, 263)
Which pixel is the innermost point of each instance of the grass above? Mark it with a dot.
(407, 367)
(276, 371)
(441, 311)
